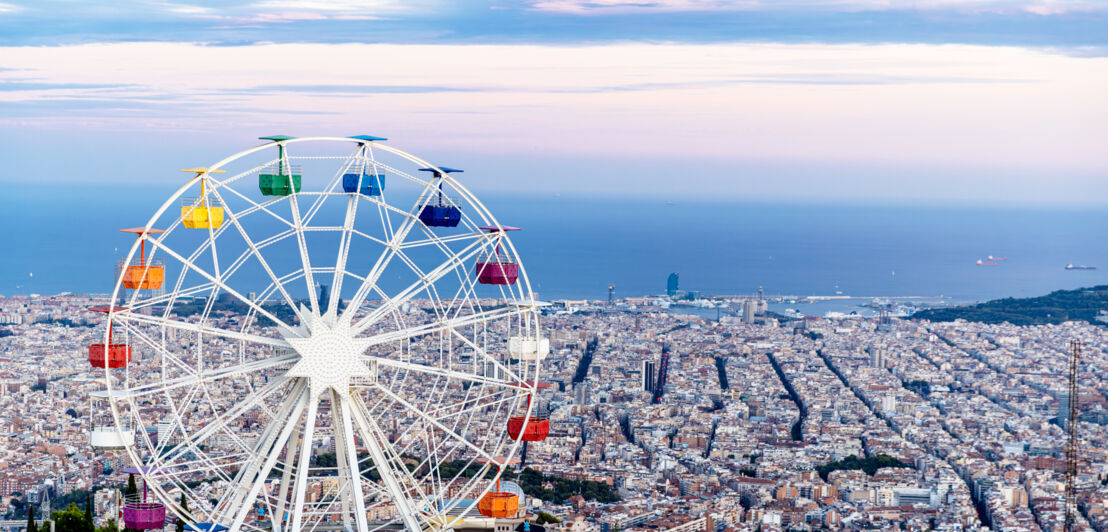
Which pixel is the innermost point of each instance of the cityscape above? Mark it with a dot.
(743, 423)
(553, 266)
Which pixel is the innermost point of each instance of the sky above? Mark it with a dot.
(991, 102)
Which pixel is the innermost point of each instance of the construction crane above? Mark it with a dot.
(1071, 446)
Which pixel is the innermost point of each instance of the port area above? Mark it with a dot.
(799, 306)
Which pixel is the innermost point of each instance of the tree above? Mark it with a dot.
(31, 526)
(71, 519)
(132, 488)
(110, 526)
(544, 518)
(89, 527)
(184, 513)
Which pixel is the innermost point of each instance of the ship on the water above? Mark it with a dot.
(985, 263)
(996, 259)
(1081, 267)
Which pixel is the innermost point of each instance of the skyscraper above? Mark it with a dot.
(671, 284)
(876, 356)
(660, 382)
(324, 297)
(1064, 409)
(648, 376)
(750, 308)
(581, 393)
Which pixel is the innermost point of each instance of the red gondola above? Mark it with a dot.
(111, 355)
(535, 429)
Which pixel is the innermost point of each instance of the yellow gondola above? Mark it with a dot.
(202, 212)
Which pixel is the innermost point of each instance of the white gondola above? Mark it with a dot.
(528, 348)
(104, 434)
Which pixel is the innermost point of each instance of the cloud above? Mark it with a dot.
(987, 110)
(1038, 7)
(285, 11)
(6, 86)
(6, 8)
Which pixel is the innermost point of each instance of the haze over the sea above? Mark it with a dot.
(573, 247)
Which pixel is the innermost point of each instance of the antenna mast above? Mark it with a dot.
(1071, 446)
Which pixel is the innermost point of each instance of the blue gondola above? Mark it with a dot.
(440, 214)
(372, 182)
(205, 527)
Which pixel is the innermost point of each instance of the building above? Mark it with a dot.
(581, 393)
(888, 404)
(750, 308)
(876, 356)
(1064, 409)
(914, 496)
(648, 376)
(671, 285)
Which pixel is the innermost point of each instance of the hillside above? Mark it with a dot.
(1063, 305)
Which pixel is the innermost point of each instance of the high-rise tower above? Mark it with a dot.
(648, 376)
(671, 284)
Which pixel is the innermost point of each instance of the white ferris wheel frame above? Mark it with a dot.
(352, 416)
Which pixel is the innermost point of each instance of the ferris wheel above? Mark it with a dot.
(320, 333)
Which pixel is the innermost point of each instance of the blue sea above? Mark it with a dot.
(66, 238)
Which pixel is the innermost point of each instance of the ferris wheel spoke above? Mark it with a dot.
(348, 462)
(272, 455)
(440, 326)
(456, 260)
(436, 423)
(394, 458)
(163, 299)
(207, 377)
(235, 495)
(484, 354)
(343, 255)
(254, 206)
(130, 317)
(433, 240)
(484, 401)
(305, 261)
(391, 249)
(444, 372)
(222, 285)
(255, 250)
(202, 465)
(304, 463)
(220, 422)
(374, 444)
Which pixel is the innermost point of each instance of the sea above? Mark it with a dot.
(66, 238)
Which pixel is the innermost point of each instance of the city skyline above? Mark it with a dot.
(554, 266)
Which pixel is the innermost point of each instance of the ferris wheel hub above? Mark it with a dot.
(330, 356)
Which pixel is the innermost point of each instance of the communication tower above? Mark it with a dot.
(1072, 445)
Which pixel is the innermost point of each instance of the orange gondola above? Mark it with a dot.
(147, 274)
(498, 503)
